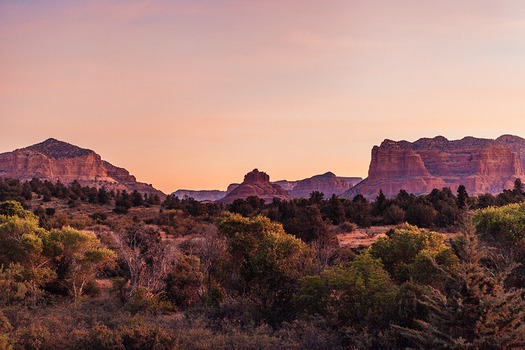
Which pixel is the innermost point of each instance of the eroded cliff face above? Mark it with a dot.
(256, 183)
(482, 165)
(55, 160)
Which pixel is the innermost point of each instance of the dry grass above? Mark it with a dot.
(362, 236)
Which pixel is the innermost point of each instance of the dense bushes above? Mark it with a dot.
(268, 276)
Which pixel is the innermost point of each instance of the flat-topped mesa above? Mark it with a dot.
(256, 183)
(56, 160)
(482, 165)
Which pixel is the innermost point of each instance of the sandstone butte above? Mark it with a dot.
(256, 183)
(481, 165)
(55, 160)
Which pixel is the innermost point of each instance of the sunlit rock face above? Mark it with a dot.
(56, 160)
(481, 165)
(256, 183)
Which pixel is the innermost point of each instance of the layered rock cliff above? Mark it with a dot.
(482, 165)
(256, 183)
(55, 160)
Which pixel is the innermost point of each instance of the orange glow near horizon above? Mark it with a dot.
(194, 94)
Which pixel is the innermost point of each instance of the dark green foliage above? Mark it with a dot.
(359, 211)
(505, 225)
(462, 197)
(421, 213)
(136, 199)
(247, 207)
(473, 310)
(412, 253)
(361, 295)
(486, 200)
(103, 197)
(380, 204)
(448, 208)
(13, 208)
(301, 219)
(190, 206)
(268, 261)
(393, 215)
(334, 210)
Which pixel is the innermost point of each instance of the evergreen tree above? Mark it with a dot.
(136, 199)
(103, 196)
(334, 210)
(518, 192)
(380, 204)
(462, 197)
(473, 311)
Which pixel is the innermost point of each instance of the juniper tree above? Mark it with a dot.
(474, 310)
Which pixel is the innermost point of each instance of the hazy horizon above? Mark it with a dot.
(194, 94)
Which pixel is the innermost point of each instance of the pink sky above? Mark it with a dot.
(194, 94)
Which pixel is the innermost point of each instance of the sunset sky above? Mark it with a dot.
(195, 93)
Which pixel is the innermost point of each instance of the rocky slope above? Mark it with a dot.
(256, 183)
(287, 185)
(55, 160)
(482, 165)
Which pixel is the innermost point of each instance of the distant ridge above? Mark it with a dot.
(327, 183)
(56, 160)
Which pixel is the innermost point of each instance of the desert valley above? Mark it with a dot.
(94, 259)
(262, 175)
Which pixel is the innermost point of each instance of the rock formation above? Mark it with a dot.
(231, 187)
(256, 183)
(328, 184)
(55, 160)
(482, 165)
(287, 185)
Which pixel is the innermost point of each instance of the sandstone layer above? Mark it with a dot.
(55, 160)
(256, 183)
(481, 165)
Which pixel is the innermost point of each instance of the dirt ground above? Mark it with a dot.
(362, 236)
